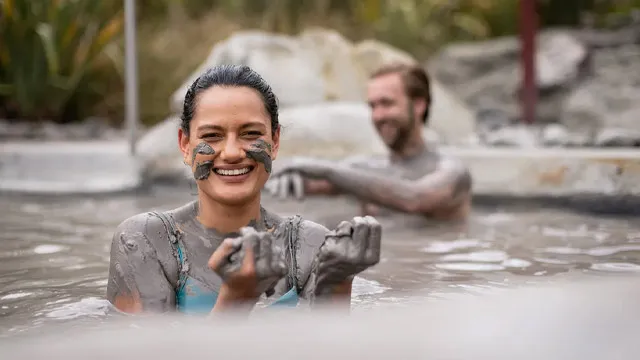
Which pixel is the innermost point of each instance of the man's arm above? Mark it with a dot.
(325, 187)
(136, 278)
(446, 187)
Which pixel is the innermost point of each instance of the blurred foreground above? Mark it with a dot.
(583, 320)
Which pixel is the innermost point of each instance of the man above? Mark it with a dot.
(414, 178)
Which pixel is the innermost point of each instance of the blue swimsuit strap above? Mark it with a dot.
(175, 238)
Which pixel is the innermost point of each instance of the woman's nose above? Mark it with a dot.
(232, 151)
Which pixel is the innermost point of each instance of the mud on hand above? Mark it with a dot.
(249, 264)
(348, 250)
(287, 178)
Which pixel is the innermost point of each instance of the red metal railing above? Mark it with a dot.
(528, 29)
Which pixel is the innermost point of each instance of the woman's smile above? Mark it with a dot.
(234, 174)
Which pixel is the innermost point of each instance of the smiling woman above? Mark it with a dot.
(225, 250)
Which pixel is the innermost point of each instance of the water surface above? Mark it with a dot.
(54, 252)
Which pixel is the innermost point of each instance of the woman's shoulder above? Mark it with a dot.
(154, 226)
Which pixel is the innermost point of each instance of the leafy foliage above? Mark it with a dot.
(50, 51)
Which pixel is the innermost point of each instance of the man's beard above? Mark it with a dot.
(403, 133)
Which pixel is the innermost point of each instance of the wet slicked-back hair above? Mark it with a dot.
(415, 79)
(229, 75)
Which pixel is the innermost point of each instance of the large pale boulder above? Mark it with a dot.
(332, 130)
(320, 66)
(158, 150)
(287, 64)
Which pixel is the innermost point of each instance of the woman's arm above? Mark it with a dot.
(137, 280)
(311, 237)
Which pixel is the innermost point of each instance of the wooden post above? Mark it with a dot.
(131, 73)
(528, 28)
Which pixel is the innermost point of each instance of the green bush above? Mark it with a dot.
(52, 52)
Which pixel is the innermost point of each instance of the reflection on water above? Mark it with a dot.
(54, 253)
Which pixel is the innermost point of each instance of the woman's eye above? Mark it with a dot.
(253, 133)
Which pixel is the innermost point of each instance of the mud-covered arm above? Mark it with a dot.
(447, 186)
(137, 280)
(312, 236)
(325, 187)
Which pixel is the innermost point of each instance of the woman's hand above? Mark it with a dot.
(348, 250)
(249, 265)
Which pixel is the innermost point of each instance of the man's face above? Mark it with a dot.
(391, 111)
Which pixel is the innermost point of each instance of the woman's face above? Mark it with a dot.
(230, 145)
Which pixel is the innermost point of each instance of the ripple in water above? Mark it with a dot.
(616, 267)
(443, 247)
(16, 295)
(478, 256)
(468, 266)
(596, 251)
(367, 287)
(87, 307)
(48, 249)
(516, 263)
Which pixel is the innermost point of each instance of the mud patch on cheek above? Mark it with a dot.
(202, 169)
(201, 149)
(261, 152)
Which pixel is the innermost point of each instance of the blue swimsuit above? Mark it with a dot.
(192, 297)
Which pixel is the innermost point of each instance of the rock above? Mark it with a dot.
(555, 135)
(272, 56)
(333, 130)
(558, 60)
(586, 84)
(489, 120)
(449, 117)
(488, 74)
(516, 136)
(371, 54)
(615, 137)
(158, 150)
(343, 77)
(489, 71)
(321, 66)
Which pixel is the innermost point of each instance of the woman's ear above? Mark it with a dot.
(275, 138)
(183, 143)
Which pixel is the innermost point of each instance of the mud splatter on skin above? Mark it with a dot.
(202, 149)
(269, 259)
(134, 282)
(261, 152)
(202, 169)
(347, 251)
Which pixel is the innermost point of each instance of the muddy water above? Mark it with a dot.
(54, 252)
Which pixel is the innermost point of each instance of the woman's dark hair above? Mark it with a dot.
(229, 75)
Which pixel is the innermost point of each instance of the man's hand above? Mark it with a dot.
(287, 179)
(249, 265)
(348, 250)
(286, 185)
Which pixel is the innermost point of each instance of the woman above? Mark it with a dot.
(224, 250)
